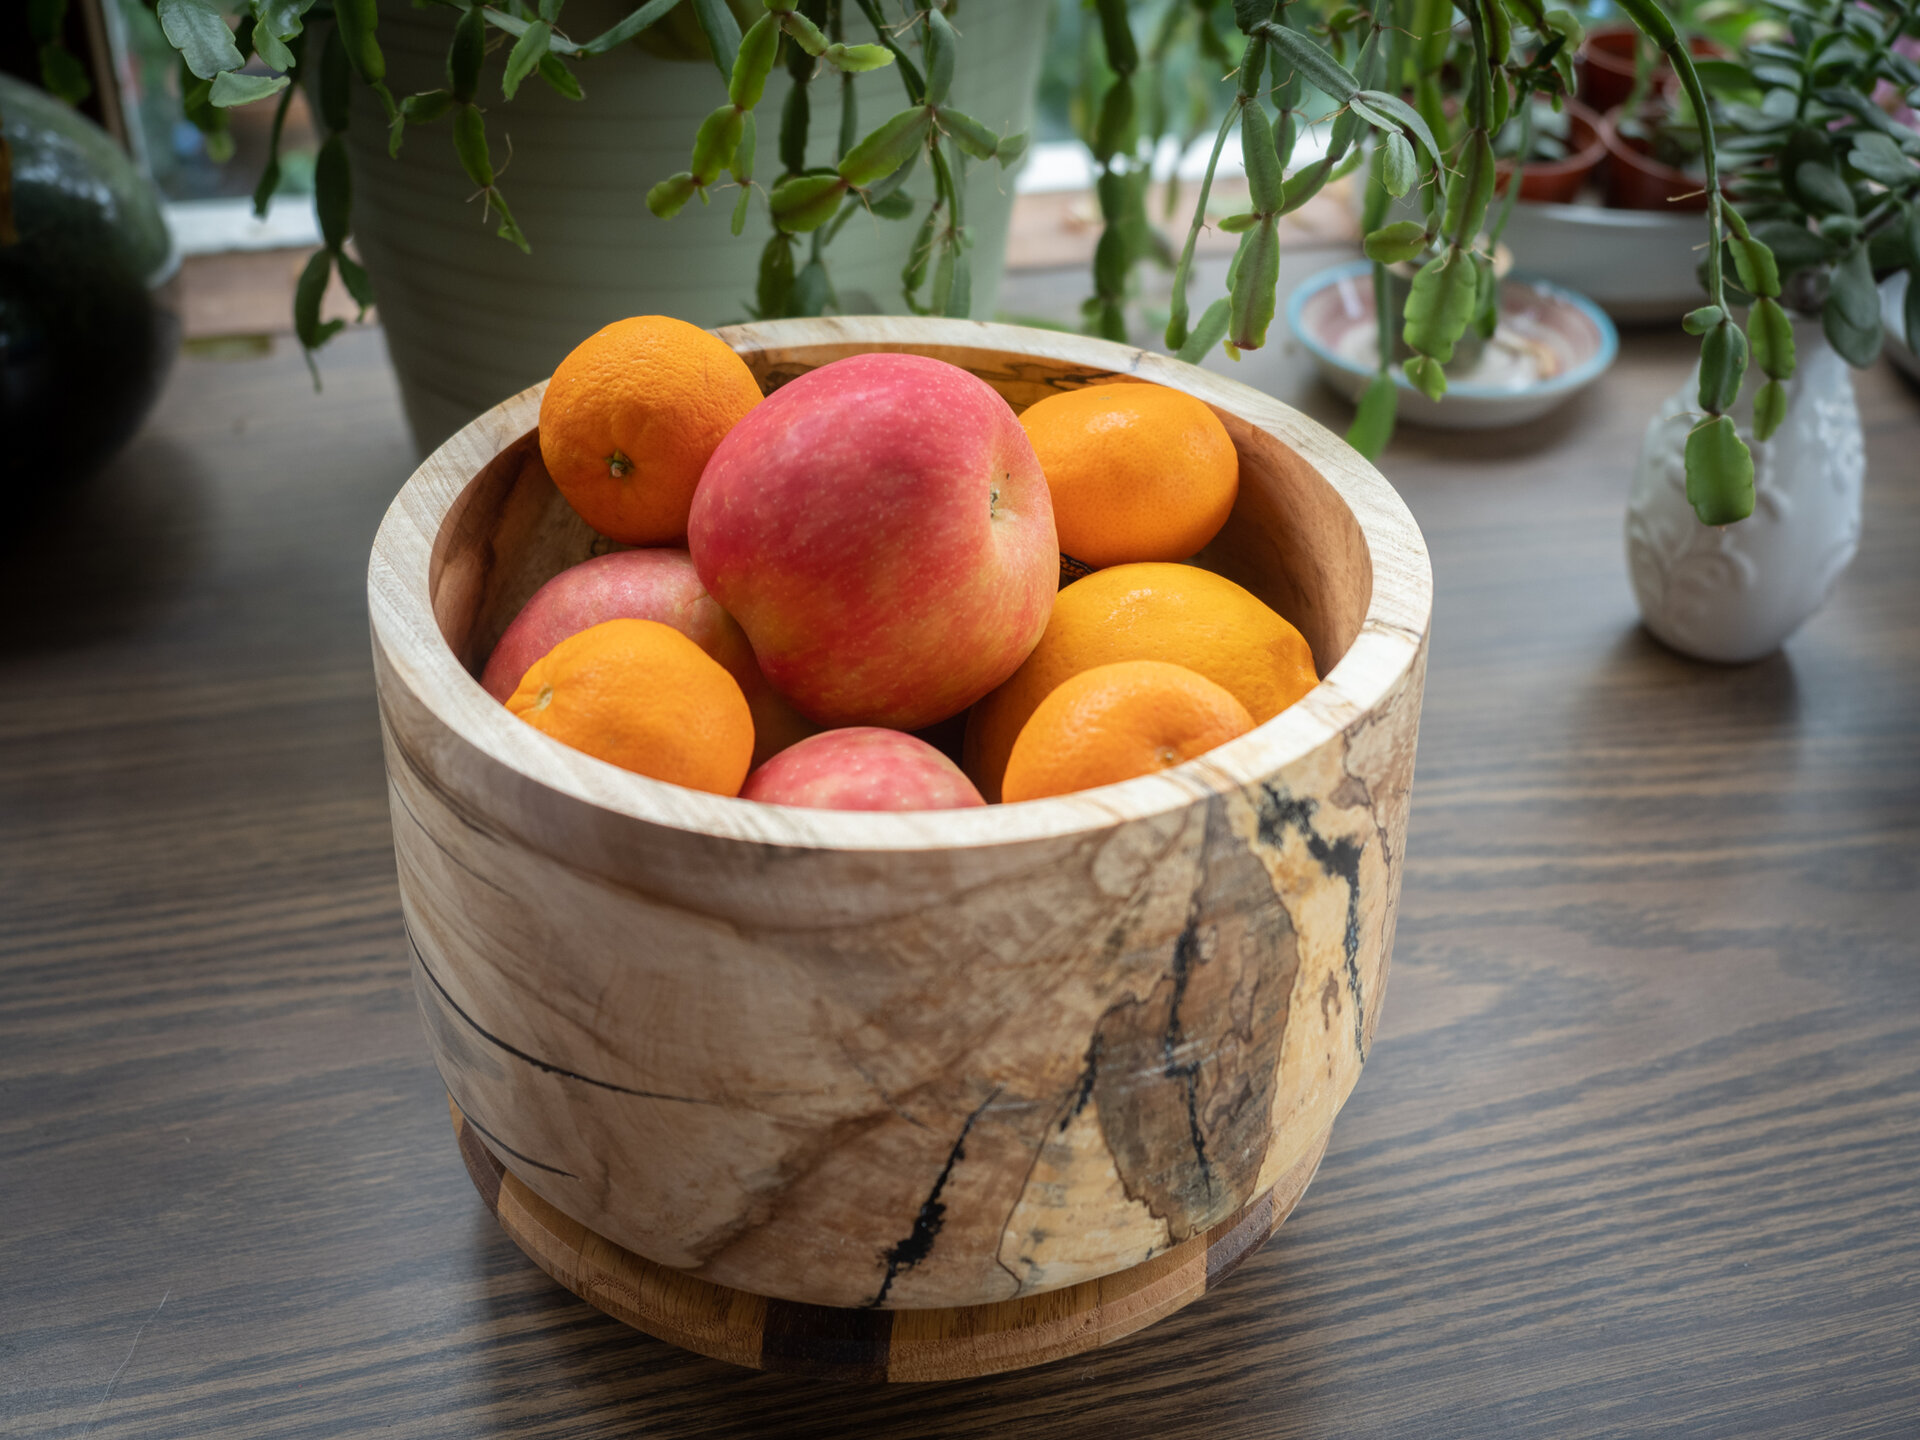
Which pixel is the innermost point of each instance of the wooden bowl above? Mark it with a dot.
(902, 1062)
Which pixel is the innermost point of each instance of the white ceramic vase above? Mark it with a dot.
(470, 320)
(1735, 593)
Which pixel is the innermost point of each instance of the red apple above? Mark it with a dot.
(862, 768)
(641, 585)
(881, 530)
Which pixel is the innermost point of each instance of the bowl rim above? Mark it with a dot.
(1391, 640)
(1577, 378)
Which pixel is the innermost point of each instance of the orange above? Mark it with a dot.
(1138, 472)
(640, 695)
(630, 419)
(1114, 722)
(1176, 613)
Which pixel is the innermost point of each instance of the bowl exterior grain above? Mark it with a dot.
(908, 1060)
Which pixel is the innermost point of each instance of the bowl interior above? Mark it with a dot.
(1291, 539)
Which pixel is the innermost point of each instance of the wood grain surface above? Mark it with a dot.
(1635, 1154)
(866, 1344)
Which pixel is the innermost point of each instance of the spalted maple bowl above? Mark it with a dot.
(905, 1061)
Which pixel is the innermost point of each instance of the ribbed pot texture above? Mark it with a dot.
(469, 319)
(1735, 593)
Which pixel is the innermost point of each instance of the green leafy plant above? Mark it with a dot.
(1377, 71)
(1830, 181)
(218, 40)
(1428, 85)
(868, 171)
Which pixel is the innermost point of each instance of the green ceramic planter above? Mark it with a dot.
(470, 320)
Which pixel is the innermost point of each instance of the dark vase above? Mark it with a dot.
(86, 335)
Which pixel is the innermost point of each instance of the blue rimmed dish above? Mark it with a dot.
(1551, 344)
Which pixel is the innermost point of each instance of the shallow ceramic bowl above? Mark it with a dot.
(1550, 345)
(904, 1060)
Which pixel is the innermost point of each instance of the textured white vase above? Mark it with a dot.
(470, 320)
(1735, 593)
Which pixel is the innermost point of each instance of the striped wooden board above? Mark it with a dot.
(872, 1345)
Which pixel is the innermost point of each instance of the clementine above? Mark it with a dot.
(1137, 472)
(630, 419)
(1176, 613)
(640, 695)
(1115, 722)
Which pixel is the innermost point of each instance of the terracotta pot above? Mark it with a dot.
(1604, 65)
(1557, 182)
(1636, 181)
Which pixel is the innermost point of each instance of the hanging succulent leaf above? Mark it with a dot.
(1209, 332)
(1400, 241)
(1373, 421)
(1719, 472)
(1440, 304)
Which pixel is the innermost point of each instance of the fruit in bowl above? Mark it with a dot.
(1137, 472)
(640, 695)
(708, 1052)
(1116, 722)
(873, 549)
(1178, 614)
(881, 529)
(863, 767)
(630, 420)
(641, 585)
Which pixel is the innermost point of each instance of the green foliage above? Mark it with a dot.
(1699, 322)
(1831, 185)
(528, 51)
(60, 69)
(1211, 330)
(198, 30)
(1719, 472)
(1441, 303)
(1392, 244)
(1828, 179)
(1373, 421)
(1723, 365)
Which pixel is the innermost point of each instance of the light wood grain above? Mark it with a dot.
(873, 1344)
(904, 1060)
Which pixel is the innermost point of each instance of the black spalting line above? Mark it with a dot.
(1185, 951)
(535, 1060)
(918, 1244)
(1340, 859)
(1087, 1076)
(498, 1144)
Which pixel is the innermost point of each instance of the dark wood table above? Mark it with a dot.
(1637, 1152)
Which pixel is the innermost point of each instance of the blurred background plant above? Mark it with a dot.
(1822, 154)
(1414, 90)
